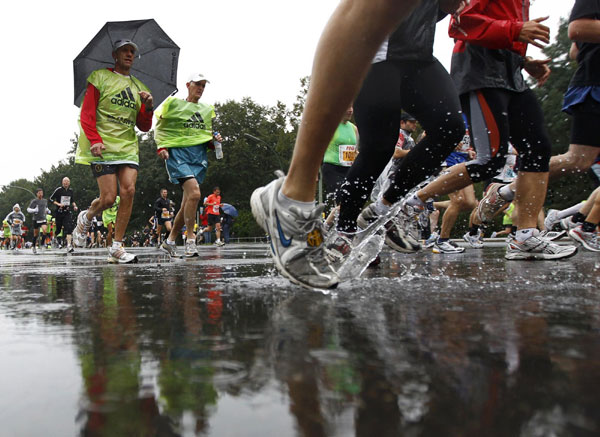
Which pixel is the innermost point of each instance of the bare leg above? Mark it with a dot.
(460, 200)
(187, 212)
(456, 178)
(127, 178)
(529, 197)
(342, 60)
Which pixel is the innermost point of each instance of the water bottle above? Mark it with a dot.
(218, 147)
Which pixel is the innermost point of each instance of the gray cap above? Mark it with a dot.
(197, 77)
(125, 42)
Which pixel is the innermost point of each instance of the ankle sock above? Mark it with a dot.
(286, 202)
(414, 201)
(524, 234)
(578, 218)
(588, 227)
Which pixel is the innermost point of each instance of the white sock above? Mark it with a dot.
(506, 193)
(569, 211)
(380, 207)
(117, 244)
(415, 201)
(286, 202)
(172, 243)
(524, 234)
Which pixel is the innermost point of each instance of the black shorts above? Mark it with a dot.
(213, 219)
(99, 169)
(586, 119)
(162, 221)
(37, 225)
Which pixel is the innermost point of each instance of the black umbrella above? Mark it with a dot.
(156, 67)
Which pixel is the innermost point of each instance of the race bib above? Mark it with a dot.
(165, 215)
(65, 200)
(216, 209)
(17, 222)
(347, 154)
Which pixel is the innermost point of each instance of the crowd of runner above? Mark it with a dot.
(481, 122)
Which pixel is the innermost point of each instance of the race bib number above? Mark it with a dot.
(165, 215)
(215, 209)
(65, 200)
(17, 222)
(347, 154)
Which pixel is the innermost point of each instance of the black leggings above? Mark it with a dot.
(423, 89)
(497, 116)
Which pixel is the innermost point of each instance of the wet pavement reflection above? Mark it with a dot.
(221, 345)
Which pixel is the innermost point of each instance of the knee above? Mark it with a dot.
(127, 191)
(194, 195)
(572, 161)
(107, 200)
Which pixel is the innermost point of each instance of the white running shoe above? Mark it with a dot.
(219, 243)
(296, 239)
(551, 219)
(446, 247)
(475, 241)
(190, 249)
(537, 248)
(81, 230)
(589, 240)
(491, 203)
(169, 249)
(567, 224)
(431, 240)
(397, 229)
(120, 256)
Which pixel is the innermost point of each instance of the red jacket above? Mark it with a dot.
(495, 24)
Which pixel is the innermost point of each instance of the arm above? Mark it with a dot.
(573, 51)
(88, 114)
(585, 30)
(144, 117)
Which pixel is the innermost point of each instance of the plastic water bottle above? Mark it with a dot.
(218, 147)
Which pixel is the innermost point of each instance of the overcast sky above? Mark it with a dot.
(258, 49)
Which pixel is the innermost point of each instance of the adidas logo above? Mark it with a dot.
(195, 122)
(124, 98)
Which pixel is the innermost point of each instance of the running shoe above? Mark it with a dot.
(446, 247)
(589, 240)
(81, 230)
(396, 236)
(552, 235)
(296, 239)
(34, 250)
(431, 240)
(219, 243)
(475, 241)
(70, 249)
(551, 219)
(190, 249)
(120, 256)
(567, 224)
(169, 249)
(537, 248)
(339, 249)
(491, 203)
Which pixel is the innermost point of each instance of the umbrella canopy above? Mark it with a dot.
(229, 210)
(156, 66)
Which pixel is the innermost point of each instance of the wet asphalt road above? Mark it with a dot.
(221, 345)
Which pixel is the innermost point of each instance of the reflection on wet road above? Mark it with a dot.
(431, 345)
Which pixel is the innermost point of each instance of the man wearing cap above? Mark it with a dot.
(183, 133)
(39, 207)
(64, 201)
(114, 104)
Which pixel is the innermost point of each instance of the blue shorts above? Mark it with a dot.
(187, 162)
(456, 158)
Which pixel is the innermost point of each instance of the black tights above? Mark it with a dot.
(423, 89)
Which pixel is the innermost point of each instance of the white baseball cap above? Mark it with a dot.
(125, 42)
(197, 77)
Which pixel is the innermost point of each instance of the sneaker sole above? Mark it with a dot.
(524, 256)
(262, 219)
(113, 260)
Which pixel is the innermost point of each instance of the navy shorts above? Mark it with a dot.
(101, 169)
(586, 119)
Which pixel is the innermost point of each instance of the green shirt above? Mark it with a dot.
(183, 124)
(116, 115)
(342, 148)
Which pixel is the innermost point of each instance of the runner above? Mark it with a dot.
(184, 132)
(15, 220)
(5, 234)
(162, 214)
(109, 219)
(39, 208)
(213, 205)
(64, 201)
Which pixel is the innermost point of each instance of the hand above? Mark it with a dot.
(532, 31)
(164, 154)
(147, 100)
(97, 149)
(218, 137)
(538, 69)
